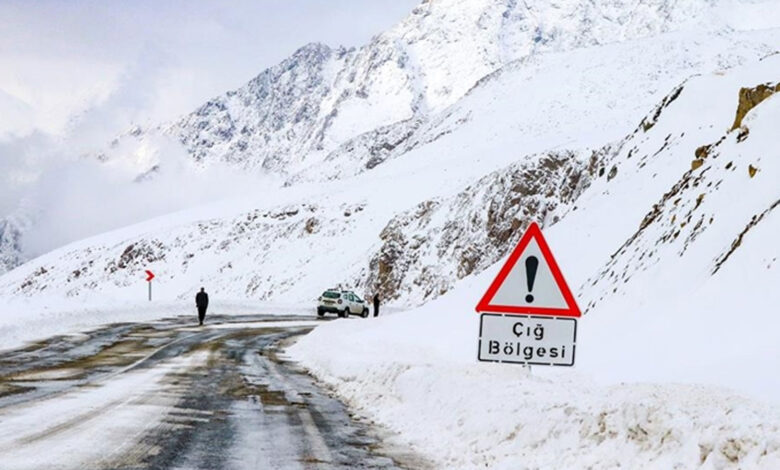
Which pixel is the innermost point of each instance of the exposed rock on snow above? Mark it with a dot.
(271, 118)
(749, 98)
(426, 250)
(237, 257)
(699, 204)
(755, 220)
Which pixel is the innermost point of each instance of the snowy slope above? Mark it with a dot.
(554, 102)
(320, 98)
(553, 99)
(427, 249)
(699, 266)
(672, 249)
(449, 68)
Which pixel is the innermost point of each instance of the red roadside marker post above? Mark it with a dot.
(528, 314)
(149, 277)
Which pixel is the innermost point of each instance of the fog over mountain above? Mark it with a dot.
(73, 76)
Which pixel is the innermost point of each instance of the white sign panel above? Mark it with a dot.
(530, 282)
(522, 339)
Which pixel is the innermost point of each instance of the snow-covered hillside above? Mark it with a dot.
(321, 101)
(494, 75)
(427, 249)
(550, 100)
(673, 250)
(566, 106)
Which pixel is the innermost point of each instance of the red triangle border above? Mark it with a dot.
(532, 233)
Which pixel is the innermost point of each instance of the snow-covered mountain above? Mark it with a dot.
(472, 117)
(322, 103)
(415, 245)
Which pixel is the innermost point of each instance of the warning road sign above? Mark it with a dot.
(530, 283)
(528, 314)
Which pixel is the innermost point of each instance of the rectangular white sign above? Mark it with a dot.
(522, 339)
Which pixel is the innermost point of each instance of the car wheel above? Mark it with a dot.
(320, 312)
(346, 313)
(365, 312)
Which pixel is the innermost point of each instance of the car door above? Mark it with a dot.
(353, 305)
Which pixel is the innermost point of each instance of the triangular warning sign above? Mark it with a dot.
(530, 283)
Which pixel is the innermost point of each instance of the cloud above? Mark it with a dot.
(73, 198)
(66, 59)
(73, 75)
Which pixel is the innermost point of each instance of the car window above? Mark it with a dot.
(330, 294)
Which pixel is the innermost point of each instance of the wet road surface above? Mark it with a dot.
(171, 395)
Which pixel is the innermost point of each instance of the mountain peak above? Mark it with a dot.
(321, 99)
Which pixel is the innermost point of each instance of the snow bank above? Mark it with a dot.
(416, 373)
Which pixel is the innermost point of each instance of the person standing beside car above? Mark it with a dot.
(376, 305)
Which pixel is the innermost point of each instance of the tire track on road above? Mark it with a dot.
(219, 397)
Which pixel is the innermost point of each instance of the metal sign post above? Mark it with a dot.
(149, 277)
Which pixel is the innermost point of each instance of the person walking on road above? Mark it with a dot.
(376, 305)
(202, 302)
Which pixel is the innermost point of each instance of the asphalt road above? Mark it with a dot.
(172, 395)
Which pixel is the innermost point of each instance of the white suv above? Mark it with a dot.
(342, 302)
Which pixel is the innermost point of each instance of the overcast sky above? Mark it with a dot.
(152, 60)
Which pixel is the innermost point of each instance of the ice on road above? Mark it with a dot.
(169, 395)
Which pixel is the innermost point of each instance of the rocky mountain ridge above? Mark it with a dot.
(323, 102)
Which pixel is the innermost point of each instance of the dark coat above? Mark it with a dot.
(202, 300)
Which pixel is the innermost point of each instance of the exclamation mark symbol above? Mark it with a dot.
(531, 263)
